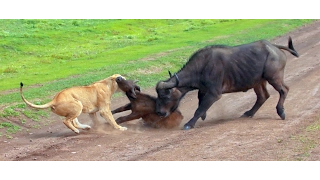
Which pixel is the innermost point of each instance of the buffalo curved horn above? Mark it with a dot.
(169, 73)
(177, 79)
(168, 85)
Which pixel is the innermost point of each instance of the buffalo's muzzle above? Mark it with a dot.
(162, 114)
(118, 79)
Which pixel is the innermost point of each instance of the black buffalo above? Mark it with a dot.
(218, 69)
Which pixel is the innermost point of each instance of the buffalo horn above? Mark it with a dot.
(177, 79)
(168, 85)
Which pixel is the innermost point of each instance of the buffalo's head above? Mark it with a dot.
(128, 86)
(168, 96)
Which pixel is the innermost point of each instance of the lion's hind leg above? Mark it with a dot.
(69, 123)
(71, 110)
(77, 124)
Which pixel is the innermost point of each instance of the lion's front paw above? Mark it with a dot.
(123, 128)
(76, 131)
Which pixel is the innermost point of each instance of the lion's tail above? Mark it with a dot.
(49, 104)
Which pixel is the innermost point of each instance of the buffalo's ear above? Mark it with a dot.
(131, 94)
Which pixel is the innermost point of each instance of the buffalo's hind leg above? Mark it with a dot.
(262, 95)
(283, 91)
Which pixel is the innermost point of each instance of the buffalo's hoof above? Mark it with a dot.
(283, 116)
(203, 117)
(280, 112)
(245, 115)
(187, 127)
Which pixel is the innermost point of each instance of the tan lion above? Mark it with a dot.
(71, 102)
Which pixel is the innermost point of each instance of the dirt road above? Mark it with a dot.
(222, 136)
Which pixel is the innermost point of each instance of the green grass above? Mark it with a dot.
(9, 112)
(11, 129)
(40, 51)
(51, 55)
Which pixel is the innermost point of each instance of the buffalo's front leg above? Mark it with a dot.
(122, 108)
(262, 95)
(201, 95)
(205, 104)
(129, 117)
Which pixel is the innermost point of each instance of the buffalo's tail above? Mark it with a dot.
(31, 104)
(290, 48)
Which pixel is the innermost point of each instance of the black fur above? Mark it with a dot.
(218, 69)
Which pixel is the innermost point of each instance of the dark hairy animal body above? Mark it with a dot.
(219, 69)
(143, 106)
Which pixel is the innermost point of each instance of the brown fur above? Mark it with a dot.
(73, 101)
(143, 106)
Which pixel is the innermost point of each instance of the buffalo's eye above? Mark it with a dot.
(167, 91)
(164, 94)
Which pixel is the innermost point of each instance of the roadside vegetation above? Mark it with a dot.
(51, 55)
(305, 140)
